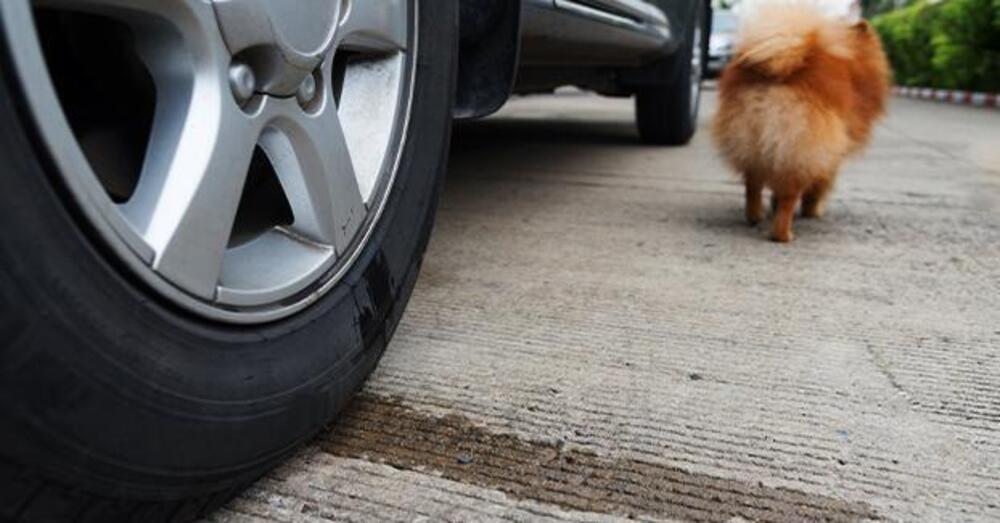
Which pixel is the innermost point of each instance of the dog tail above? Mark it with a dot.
(777, 38)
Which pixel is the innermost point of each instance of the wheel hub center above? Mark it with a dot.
(282, 40)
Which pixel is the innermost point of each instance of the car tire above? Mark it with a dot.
(116, 405)
(667, 112)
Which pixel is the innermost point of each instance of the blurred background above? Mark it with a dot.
(950, 44)
(941, 44)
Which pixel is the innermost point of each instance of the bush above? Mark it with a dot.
(996, 14)
(906, 35)
(954, 44)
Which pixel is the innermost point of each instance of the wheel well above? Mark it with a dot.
(489, 47)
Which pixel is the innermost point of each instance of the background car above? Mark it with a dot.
(722, 43)
(214, 214)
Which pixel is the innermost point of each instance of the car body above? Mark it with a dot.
(609, 46)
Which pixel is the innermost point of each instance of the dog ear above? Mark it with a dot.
(863, 26)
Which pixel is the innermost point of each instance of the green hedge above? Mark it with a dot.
(954, 44)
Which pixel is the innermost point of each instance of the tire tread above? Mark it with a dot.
(44, 500)
(663, 110)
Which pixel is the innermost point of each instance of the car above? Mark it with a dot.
(722, 43)
(214, 213)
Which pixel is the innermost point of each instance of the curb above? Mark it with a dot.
(987, 100)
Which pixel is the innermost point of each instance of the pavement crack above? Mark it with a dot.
(942, 150)
(883, 367)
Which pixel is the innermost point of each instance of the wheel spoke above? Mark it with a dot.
(183, 229)
(375, 26)
(201, 142)
(186, 201)
(368, 107)
(310, 154)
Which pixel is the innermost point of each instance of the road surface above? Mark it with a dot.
(597, 335)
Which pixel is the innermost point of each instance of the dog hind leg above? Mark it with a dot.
(755, 205)
(785, 202)
(814, 199)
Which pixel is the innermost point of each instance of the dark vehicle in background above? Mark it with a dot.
(653, 50)
(722, 43)
(214, 213)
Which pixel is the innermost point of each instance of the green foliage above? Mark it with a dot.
(906, 36)
(954, 44)
(996, 15)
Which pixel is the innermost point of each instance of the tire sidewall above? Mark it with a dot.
(680, 81)
(664, 112)
(104, 385)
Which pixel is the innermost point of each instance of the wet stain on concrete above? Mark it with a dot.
(386, 431)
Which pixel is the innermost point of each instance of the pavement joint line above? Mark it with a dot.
(453, 432)
(764, 459)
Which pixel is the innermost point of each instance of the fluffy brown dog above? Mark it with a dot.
(801, 95)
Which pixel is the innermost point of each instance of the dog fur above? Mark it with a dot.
(801, 94)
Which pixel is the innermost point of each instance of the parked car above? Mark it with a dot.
(722, 43)
(214, 213)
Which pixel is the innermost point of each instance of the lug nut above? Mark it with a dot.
(307, 90)
(242, 82)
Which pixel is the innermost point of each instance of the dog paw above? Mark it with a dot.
(810, 212)
(782, 237)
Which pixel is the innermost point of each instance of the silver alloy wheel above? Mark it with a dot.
(697, 55)
(233, 77)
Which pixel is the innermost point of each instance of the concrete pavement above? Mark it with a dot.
(597, 335)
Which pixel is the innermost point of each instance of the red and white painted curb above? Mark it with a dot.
(989, 100)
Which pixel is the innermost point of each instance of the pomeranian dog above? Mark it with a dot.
(801, 94)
